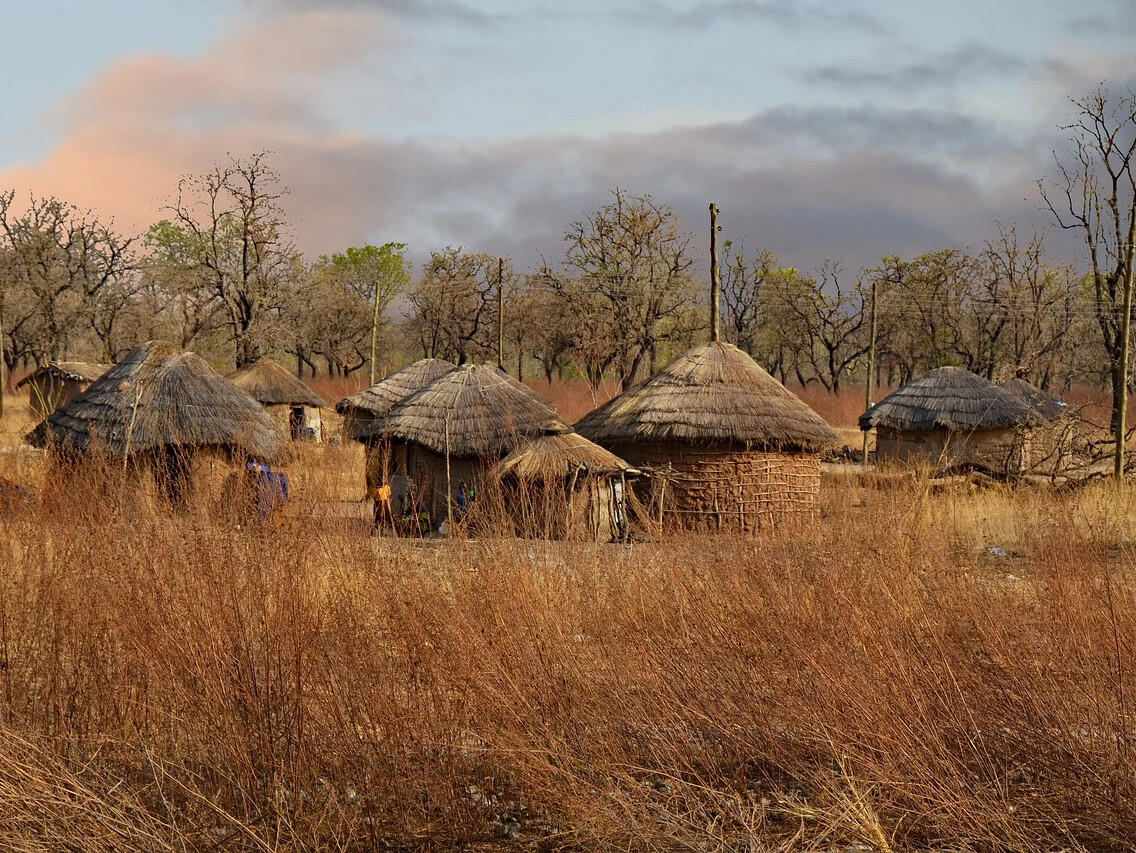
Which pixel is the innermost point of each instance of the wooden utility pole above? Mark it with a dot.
(3, 377)
(715, 282)
(1125, 345)
(375, 335)
(871, 377)
(501, 313)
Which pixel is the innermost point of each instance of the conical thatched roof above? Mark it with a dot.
(949, 398)
(712, 393)
(1043, 404)
(271, 385)
(159, 397)
(75, 371)
(557, 453)
(483, 411)
(377, 401)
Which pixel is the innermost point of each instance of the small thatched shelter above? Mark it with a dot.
(58, 382)
(1050, 443)
(955, 419)
(559, 485)
(290, 402)
(161, 408)
(728, 446)
(454, 431)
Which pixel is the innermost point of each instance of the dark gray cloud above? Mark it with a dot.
(966, 62)
(809, 185)
(794, 14)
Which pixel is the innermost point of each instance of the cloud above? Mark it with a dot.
(806, 182)
(968, 61)
(792, 14)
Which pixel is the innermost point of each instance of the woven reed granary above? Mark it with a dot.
(1050, 444)
(559, 485)
(728, 447)
(291, 403)
(160, 409)
(54, 384)
(363, 412)
(954, 419)
(457, 429)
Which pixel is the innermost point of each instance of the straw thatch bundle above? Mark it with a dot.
(557, 454)
(712, 393)
(271, 385)
(160, 398)
(1045, 405)
(375, 402)
(949, 398)
(472, 411)
(66, 371)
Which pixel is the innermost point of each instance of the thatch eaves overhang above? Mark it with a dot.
(949, 398)
(711, 394)
(159, 397)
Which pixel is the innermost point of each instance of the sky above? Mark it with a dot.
(846, 129)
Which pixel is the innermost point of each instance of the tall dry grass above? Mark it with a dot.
(175, 681)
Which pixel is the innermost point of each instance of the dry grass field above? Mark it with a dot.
(918, 669)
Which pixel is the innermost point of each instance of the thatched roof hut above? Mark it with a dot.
(157, 399)
(1042, 403)
(956, 419)
(473, 411)
(454, 431)
(557, 453)
(734, 448)
(560, 485)
(372, 404)
(294, 405)
(57, 382)
(1051, 445)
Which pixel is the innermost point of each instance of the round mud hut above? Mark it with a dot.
(453, 433)
(161, 410)
(727, 446)
(954, 419)
(291, 403)
(59, 382)
(1051, 444)
(559, 485)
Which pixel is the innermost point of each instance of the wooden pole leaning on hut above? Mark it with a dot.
(715, 281)
(449, 487)
(870, 378)
(1125, 344)
(501, 313)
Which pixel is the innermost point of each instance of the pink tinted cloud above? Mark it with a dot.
(147, 119)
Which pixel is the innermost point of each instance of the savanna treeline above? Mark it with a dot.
(220, 274)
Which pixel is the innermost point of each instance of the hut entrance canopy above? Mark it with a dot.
(560, 485)
(456, 429)
(56, 383)
(955, 419)
(161, 404)
(294, 405)
(728, 446)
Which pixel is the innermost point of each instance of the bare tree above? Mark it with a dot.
(1096, 197)
(632, 261)
(234, 235)
(454, 303)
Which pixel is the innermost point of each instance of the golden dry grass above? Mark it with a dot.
(920, 669)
